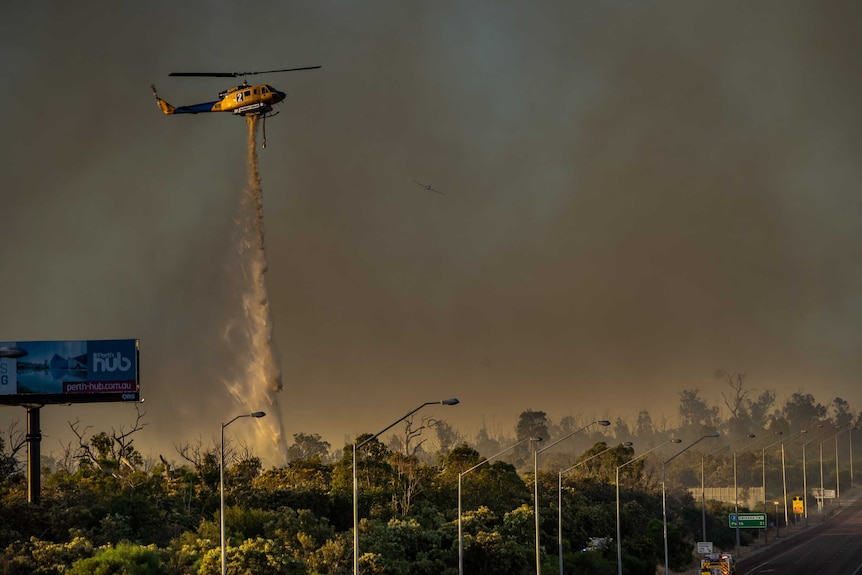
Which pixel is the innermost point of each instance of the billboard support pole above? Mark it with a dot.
(34, 440)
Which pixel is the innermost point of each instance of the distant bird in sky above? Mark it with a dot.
(428, 188)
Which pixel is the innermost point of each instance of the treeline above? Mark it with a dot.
(105, 508)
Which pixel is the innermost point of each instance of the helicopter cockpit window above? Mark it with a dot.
(264, 90)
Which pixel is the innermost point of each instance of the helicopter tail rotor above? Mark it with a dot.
(166, 108)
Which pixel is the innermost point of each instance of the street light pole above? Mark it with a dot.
(805, 484)
(837, 484)
(837, 493)
(221, 485)
(784, 474)
(775, 509)
(763, 473)
(617, 480)
(451, 401)
(602, 422)
(805, 477)
(460, 475)
(850, 437)
(736, 486)
(784, 487)
(664, 497)
(820, 499)
(560, 495)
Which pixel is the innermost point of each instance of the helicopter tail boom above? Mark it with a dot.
(168, 109)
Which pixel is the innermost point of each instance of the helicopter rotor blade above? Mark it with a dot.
(274, 71)
(204, 74)
(237, 74)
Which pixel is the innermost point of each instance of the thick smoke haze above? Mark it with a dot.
(637, 195)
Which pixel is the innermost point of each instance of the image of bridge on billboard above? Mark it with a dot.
(52, 372)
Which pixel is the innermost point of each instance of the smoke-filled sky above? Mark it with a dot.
(637, 195)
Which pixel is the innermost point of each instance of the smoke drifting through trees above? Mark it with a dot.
(249, 336)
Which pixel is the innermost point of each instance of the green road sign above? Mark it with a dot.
(754, 520)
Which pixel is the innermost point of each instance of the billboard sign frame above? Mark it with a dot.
(65, 372)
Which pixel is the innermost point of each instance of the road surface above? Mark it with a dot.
(833, 548)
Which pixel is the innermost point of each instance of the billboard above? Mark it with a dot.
(51, 372)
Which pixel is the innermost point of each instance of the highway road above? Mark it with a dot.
(833, 548)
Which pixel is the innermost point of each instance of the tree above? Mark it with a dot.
(488, 552)
(644, 428)
(406, 547)
(111, 452)
(801, 411)
(308, 446)
(407, 482)
(621, 430)
(411, 442)
(460, 459)
(694, 412)
(759, 409)
(530, 424)
(124, 559)
(842, 415)
(447, 437)
(256, 556)
(736, 400)
(205, 461)
(603, 466)
(333, 557)
(496, 485)
(485, 443)
(17, 440)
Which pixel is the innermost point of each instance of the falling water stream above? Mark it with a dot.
(257, 381)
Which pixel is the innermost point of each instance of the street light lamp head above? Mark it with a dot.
(535, 439)
(716, 434)
(603, 422)
(627, 444)
(751, 436)
(258, 414)
(676, 440)
(450, 401)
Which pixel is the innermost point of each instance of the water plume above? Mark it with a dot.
(258, 379)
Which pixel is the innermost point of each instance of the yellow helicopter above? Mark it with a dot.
(242, 100)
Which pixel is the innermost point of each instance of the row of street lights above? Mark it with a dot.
(536, 452)
(782, 442)
(454, 401)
